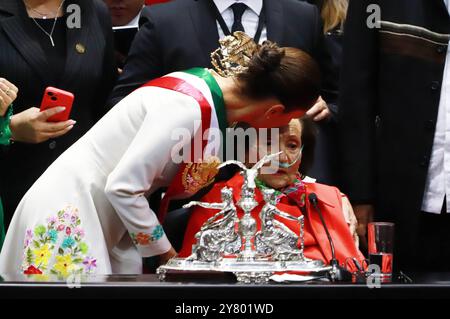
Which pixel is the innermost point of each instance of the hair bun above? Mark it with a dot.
(287, 74)
(267, 58)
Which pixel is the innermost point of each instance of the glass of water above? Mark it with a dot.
(381, 249)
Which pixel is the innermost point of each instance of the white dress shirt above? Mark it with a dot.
(437, 186)
(135, 21)
(250, 17)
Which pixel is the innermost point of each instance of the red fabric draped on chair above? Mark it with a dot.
(150, 2)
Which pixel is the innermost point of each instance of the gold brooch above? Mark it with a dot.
(199, 175)
(234, 54)
(81, 49)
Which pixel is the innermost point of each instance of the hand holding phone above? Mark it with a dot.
(54, 97)
(32, 126)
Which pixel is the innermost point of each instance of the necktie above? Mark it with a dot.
(238, 11)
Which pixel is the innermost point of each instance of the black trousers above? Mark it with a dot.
(431, 250)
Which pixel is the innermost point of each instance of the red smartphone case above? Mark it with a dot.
(54, 97)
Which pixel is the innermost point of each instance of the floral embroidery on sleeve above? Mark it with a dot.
(58, 248)
(145, 239)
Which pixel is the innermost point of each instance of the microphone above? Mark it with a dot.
(337, 273)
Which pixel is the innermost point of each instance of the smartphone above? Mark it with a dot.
(54, 97)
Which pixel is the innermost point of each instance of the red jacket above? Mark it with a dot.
(316, 243)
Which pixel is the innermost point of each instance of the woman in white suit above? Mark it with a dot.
(88, 212)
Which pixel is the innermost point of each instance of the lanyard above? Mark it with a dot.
(224, 27)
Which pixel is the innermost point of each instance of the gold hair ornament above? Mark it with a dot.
(234, 54)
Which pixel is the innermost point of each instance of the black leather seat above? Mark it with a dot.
(175, 226)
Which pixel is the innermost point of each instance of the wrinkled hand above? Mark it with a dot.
(8, 93)
(351, 219)
(319, 111)
(31, 126)
(364, 214)
(164, 258)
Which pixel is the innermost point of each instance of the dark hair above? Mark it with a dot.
(308, 137)
(289, 74)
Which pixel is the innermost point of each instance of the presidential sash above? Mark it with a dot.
(198, 172)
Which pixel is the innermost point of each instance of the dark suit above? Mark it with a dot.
(326, 167)
(89, 75)
(333, 40)
(391, 82)
(182, 34)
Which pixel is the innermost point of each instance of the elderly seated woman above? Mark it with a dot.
(292, 190)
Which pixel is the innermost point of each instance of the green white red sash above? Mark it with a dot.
(193, 176)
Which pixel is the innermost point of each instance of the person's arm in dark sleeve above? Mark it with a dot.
(144, 61)
(330, 77)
